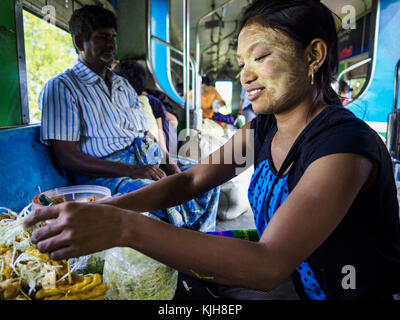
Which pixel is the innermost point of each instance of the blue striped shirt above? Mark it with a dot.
(77, 106)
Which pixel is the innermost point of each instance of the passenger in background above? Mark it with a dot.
(136, 75)
(344, 92)
(246, 108)
(211, 101)
(92, 120)
(175, 113)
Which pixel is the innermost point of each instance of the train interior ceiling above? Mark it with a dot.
(213, 26)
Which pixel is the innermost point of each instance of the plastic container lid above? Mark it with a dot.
(81, 193)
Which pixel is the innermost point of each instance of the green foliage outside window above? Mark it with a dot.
(49, 51)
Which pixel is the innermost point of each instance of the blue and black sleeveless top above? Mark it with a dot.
(368, 238)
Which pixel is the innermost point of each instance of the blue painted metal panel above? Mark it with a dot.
(160, 53)
(376, 103)
(25, 164)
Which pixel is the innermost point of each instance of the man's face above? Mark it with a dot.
(204, 89)
(100, 48)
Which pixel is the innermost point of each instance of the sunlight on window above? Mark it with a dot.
(225, 89)
(49, 51)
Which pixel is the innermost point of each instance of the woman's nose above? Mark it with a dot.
(247, 75)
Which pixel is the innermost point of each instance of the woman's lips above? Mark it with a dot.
(255, 93)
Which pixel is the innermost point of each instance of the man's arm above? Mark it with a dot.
(172, 119)
(70, 158)
(171, 167)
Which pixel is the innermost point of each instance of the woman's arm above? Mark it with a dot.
(222, 165)
(308, 216)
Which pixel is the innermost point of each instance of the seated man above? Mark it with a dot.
(136, 75)
(92, 120)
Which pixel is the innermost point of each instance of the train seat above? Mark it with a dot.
(26, 166)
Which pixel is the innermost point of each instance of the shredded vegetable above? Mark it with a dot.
(132, 275)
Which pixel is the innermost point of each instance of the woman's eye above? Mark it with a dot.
(261, 58)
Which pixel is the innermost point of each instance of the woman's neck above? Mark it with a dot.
(292, 122)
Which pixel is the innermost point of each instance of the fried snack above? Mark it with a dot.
(3, 249)
(58, 199)
(88, 283)
(63, 265)
(26, 273)
(6, 261)
(6, 216)
(9, 289)
(92, 199)
(96, 293)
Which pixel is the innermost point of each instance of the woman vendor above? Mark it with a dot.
(323, 192)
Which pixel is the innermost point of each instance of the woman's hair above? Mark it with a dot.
(302, 21)
(86, 20)
(133, 72)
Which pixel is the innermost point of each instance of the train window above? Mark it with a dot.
(225, 89)
(49, 51)
(356, 37)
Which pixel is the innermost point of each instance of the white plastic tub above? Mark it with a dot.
(82, 193)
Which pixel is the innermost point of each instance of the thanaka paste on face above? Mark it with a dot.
(282, 73)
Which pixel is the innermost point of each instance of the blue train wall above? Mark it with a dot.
(376, 102)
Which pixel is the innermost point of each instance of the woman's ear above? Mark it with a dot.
(317, 51)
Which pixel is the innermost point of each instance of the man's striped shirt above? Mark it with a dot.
(77, 106)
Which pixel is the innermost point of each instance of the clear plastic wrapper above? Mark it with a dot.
(131, 275)
(93, 263)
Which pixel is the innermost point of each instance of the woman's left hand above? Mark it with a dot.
(75, 229)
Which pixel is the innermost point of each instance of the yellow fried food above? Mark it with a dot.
(6, 261)
(87, 284)
(9, 289)
(6, 216)
(63, 269)
(96, 293)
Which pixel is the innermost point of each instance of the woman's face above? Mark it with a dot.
(274, 69)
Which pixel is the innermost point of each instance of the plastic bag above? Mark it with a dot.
(131, 275)
(93, 263)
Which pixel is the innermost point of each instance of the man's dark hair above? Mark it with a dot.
(303, 21)
(206, 80)
(134, 72)
(343, 86)
(86, 20)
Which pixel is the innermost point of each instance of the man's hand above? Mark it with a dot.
(75, 229)
(151, 172)
(172, 168)
(69, 157)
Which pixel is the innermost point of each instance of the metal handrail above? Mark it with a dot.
(396, 87)
(176, 50)
(354, 66)
(150, 37)
(392, 132)
(197, 59)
